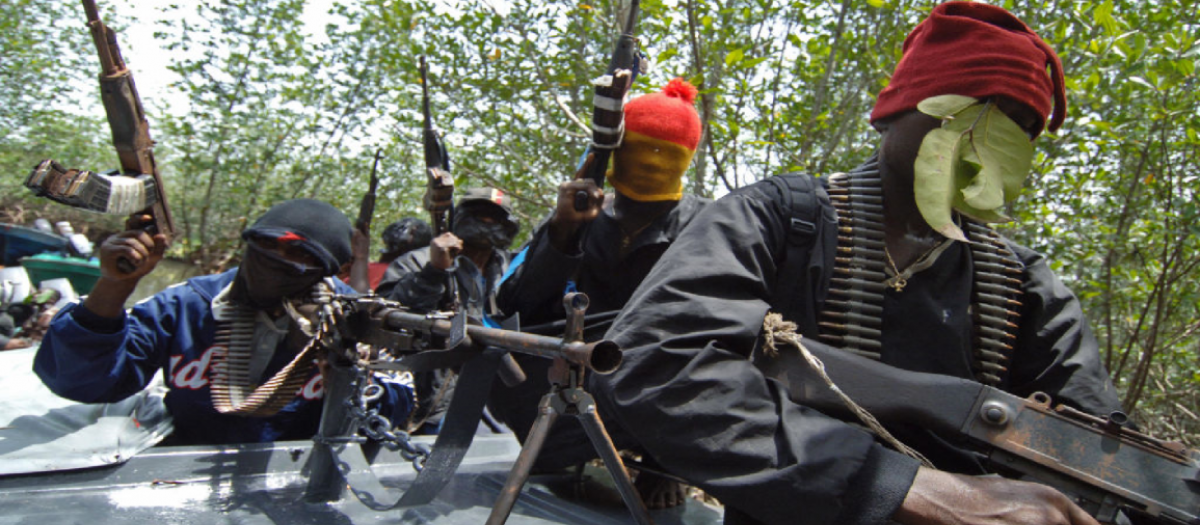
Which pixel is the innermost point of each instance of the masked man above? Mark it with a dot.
(468, 260)
(246, 318)
(604, 251)
(893, 261)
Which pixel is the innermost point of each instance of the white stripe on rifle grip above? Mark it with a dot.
(606, 103)
(127, 195)
(618, 133)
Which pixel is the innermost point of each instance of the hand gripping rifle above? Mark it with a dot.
(1101, 464)
(354, 329)
(608, 115)
(440, 188)
(138, 188)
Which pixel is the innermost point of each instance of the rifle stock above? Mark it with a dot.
(1102, 465)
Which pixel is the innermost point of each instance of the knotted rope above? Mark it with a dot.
(778, 331)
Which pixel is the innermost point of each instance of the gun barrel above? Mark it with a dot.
(110, 57)
(631, 22)
(603, 357)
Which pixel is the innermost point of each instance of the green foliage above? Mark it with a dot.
(273, 112)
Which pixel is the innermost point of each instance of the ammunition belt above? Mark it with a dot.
(232, 389)
(852, 318)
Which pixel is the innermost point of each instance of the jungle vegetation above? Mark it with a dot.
(260, 110)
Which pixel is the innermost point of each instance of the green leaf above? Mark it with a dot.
(1143, 82)
(734, 57)
(934, 180)
(1005, 151)
(943, 106)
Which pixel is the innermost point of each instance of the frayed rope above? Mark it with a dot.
(779, 331)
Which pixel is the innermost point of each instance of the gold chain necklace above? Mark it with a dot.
(900, 280)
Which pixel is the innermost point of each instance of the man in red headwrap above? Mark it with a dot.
(894, 261)
(604, 251)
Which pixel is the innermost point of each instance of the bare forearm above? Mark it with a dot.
(108, 297)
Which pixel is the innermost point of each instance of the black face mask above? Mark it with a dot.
(479, 234)
(265, 278)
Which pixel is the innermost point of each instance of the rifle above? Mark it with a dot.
(366, 207)
(359, 270)
(413, 341)
(139, 187)
(608, 116)
(1100, 463)
(437, 163)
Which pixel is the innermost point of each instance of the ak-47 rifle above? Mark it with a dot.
(440, 188)
(415, 342)
(608, 115)
(366, 207)
(138, 188)
(359, 270)
(1100, 463)
(437, 164)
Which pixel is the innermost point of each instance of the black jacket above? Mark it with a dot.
(535, 291)
(412, 281)
(689, 395)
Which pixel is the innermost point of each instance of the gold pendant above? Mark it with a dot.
(897, 283)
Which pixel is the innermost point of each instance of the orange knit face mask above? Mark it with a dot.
(649, 169)
(662, 131)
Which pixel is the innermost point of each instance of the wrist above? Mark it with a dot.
(564, 235)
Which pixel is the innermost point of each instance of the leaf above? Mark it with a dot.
(1006, 156)
(734, 57)
(1143, 82)
(876, 3)
(934, 180)
(943, 106)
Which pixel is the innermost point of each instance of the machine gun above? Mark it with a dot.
(608, 115)
(354, 329)
(138, 188)
(1103, 465)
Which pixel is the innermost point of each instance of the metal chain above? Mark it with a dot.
(377, 426)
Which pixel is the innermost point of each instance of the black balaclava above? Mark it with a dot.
(265, 277)
(479, 234)
(405, 235)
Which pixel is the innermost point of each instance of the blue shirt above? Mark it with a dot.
(90, 359)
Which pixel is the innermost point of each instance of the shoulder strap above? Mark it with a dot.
(800, 285)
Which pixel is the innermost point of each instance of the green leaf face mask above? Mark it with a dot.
(974, 163)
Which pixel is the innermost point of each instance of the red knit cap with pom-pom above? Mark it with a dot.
(668, 115)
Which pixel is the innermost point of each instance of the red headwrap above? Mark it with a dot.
(976, 50)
